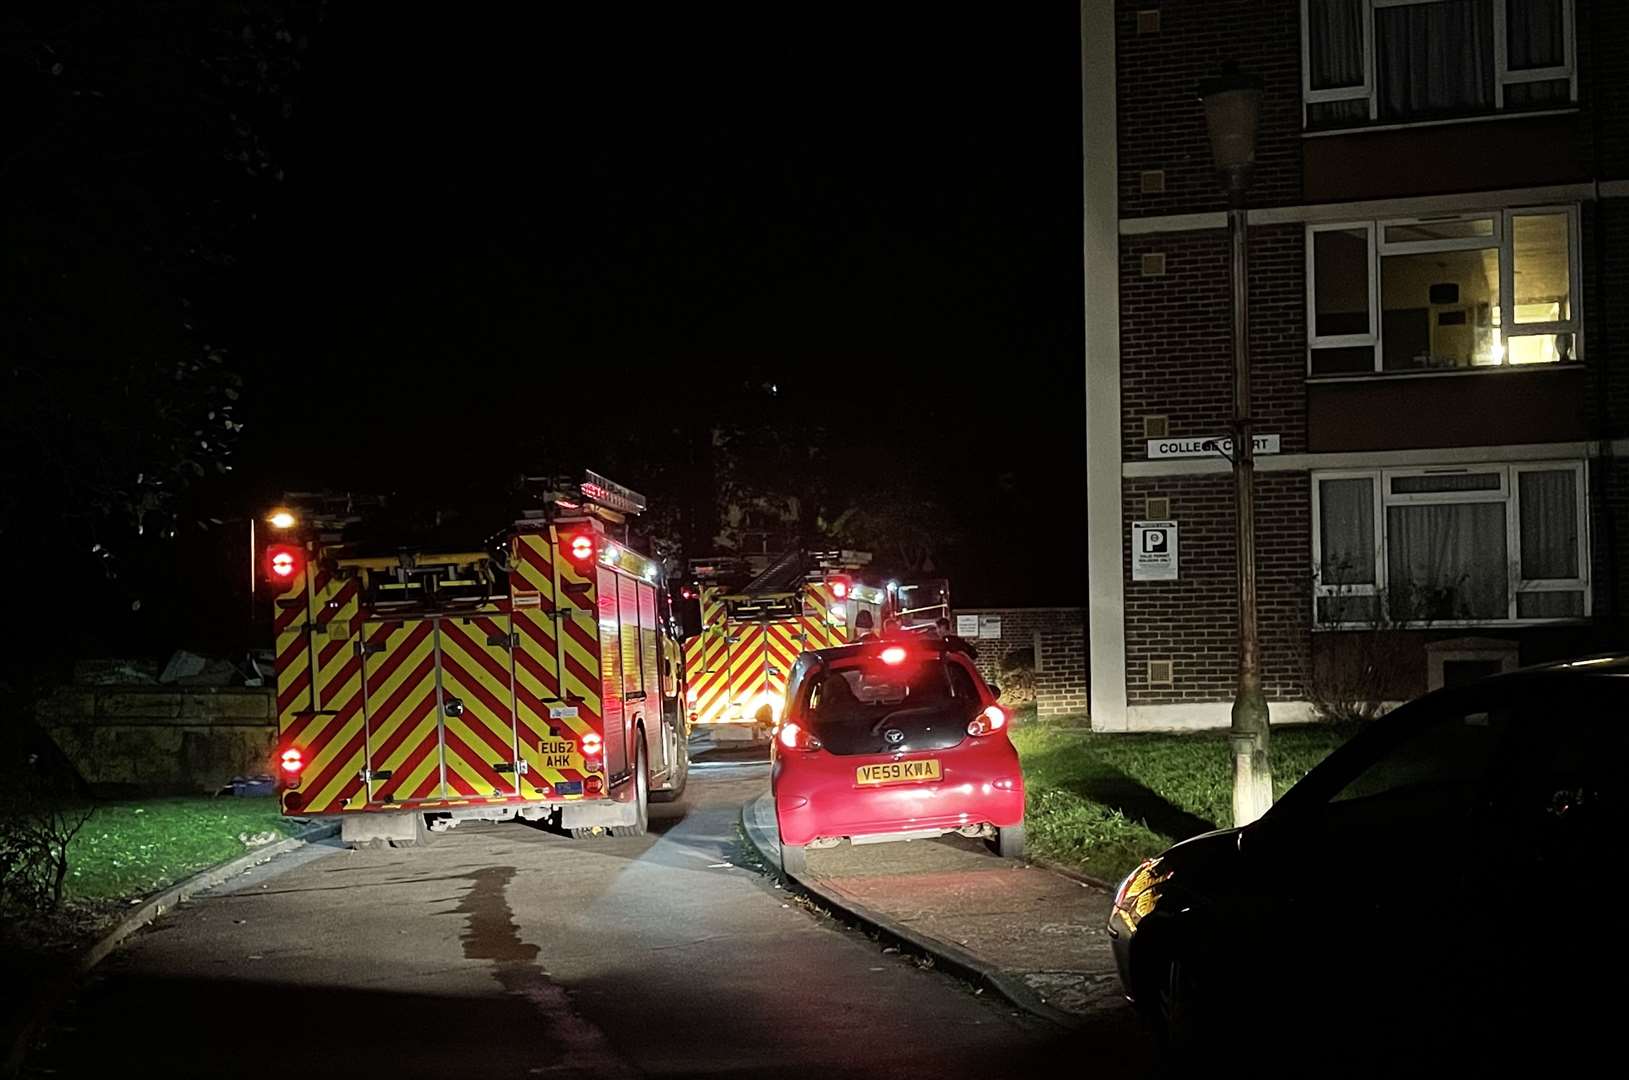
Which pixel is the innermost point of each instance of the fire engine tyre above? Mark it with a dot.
(681, 773)
(1009, 842)
(641, 779)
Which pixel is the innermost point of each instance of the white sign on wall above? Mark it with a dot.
(1221, 446)
(1153, 551)
(990, 627)
(967, 626)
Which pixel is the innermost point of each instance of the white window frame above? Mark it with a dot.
(1507, 494)
(1502, 74)
(1502, 238)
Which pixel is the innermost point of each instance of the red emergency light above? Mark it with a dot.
(580, 547)
(283, 563)
(292, 760)
(839, 587)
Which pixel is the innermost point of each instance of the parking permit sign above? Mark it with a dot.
(1153, 551)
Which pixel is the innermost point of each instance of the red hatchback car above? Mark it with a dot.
(893, 740)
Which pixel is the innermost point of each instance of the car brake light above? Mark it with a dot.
(591, 744)
(993, 718)
(793, 737)
(893, 654)
(292, 760)
(581, 547)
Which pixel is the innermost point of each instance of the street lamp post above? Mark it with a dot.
(1232, 103)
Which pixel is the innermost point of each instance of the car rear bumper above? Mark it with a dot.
(816, 794)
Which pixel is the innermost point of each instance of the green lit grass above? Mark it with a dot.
(1100, 803)
(130, 849)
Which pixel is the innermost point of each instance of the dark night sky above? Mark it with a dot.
(488, 222)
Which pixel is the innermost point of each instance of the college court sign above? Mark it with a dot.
(1221, 446)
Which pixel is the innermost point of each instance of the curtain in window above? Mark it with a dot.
(1434, 58)
(1447, 561)
(1346, 531)
(1535, 33)
(1335, 43)
(1549, 526)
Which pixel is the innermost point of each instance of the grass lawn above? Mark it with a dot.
(1101, 803)
(130, 849)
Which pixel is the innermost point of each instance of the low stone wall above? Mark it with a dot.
(1058, 637)
(162, 739)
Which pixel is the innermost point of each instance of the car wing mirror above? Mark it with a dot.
(995, 691)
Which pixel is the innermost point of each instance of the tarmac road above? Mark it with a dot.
(504, 950)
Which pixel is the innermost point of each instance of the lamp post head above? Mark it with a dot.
(1232, 101)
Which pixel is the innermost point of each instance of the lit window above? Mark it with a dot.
(1461, 291)
(1450, 546)
(1400, 61)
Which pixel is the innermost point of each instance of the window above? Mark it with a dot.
(1455, 545)
(1398, 61)
(1457, 292)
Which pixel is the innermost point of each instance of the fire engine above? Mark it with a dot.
(536, 675)
(754, 626)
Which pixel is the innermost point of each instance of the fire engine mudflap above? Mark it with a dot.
(418, 689)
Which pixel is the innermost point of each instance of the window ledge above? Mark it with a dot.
(1409, 124)
(1451, 624)
(1446, 373)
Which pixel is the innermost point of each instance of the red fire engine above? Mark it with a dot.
(536, 675)
(754, 626)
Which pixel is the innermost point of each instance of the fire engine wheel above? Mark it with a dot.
(641, 794)
(681, 773)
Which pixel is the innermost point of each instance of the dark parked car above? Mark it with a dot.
(1440, 890)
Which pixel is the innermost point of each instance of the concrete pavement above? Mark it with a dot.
(1041, 937)
(505, 949)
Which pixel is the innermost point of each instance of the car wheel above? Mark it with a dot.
(681, 773)
(794, 860)
(641, 795)
(1179, 1013)
(1009, 842)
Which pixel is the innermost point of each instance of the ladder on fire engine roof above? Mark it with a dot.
(782, 576)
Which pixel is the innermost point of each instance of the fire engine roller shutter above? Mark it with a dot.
(612, 705)
(706, 668)
(319, 687)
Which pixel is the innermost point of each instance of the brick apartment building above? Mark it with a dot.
(1439, 340)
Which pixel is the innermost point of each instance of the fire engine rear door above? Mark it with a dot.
(478, 705)
(402, 710)
(749, 657)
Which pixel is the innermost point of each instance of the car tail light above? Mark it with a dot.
(893, 654)
(593, 785)
(283, 562)
(580, 547)
(992, 719)
(793, 737)
(592, 744)
(292, 761)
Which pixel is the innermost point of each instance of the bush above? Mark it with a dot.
(1017, 675)
(41, 811)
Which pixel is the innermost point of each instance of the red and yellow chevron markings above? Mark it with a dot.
(479, 741)
(404, 743)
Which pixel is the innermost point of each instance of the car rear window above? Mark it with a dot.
(868, 692)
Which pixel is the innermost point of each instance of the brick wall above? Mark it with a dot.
(1058, 636)
(1176, 336)
(1193, 621)
(162, 740)
(1161, 122)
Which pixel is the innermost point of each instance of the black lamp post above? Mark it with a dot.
(1232, 103)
